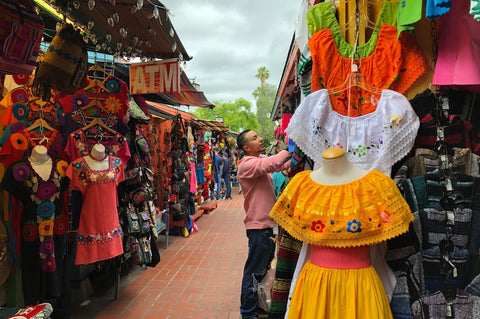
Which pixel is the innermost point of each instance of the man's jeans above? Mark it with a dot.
(228, 187)
(261, 250)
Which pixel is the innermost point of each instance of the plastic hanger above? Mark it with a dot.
(94, 82)
(355, 79)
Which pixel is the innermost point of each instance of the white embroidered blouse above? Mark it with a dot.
(372, 141)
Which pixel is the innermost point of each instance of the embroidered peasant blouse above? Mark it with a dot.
(363, 212)
(373, 141)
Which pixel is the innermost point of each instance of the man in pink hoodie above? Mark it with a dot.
(255, 177)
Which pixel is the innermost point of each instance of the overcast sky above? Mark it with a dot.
(230, 40)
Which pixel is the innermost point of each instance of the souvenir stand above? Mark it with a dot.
(432, 59)
(78, 194)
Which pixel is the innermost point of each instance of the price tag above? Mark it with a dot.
(448, 184)
(445, 104)
(440, 133)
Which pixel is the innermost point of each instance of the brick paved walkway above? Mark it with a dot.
(198, 277)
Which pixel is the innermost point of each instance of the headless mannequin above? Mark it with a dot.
(97, 160)
(41, 162)
(337, 170)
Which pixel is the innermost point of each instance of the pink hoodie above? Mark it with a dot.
(255, 176)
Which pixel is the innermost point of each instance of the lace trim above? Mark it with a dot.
(376, 140)
(364, 212)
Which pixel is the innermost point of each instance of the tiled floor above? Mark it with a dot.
(198, 276)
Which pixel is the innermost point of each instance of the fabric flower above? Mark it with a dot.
(79, 100)
(117, 161)
(386, 217)
(62, 167)
(29, 232)
(113, 105)
(112, 85)
(19, 95)
(49, 264)
(46, 228)
(20, 79)
(21, 172)
(19, 141)
(318, 226)
(76, 136)
(45, 209)
(77, 165)
(17, 126)
(20, 111)
(354, 226)
(47, 246)
(60, 227)
(46, 190)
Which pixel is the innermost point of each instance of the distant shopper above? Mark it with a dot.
(255, 177)
(227, 167)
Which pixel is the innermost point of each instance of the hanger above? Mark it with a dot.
(95, 102)
(355, 79)
(98, 121)
(94, 82)
(40, 122)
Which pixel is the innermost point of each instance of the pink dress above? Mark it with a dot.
(458, 61)
(99, 237)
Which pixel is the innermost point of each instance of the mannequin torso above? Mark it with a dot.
(336, 169)
(97, 159)
(41, 162)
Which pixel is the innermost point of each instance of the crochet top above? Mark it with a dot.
(366, 211)
(373, 141)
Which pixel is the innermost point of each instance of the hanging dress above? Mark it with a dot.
(99, 234)
(42, 227)
(350, 216)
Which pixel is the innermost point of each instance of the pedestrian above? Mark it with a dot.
(227, 167)
(255, 177)
(218, 162)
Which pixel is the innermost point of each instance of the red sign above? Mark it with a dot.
(155, 77)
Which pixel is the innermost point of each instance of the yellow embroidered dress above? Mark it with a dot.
(363, 212)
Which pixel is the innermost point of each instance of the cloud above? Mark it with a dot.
(230, 40)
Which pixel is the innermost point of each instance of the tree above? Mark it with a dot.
(262, 74)
(265, 97)
(237, 116)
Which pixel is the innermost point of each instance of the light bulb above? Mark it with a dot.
(156, 13)
(90, 24)
(172, 32)
(148, 43)
(110, 21)
(76, 4)
(58, 26)
(134, 9)
(135, 40)
(98, 47)
(116, 17)
(119, 45)
(108, 37)
(91, 4)
(123, 32)
(180, 56)
(104, 46)
(139, 4)
(174, 46)
(37, 10)
(113, 2)
(93, 38)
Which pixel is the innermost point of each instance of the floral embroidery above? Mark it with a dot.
(47, 246)
(354, 226)
(29, 232)
(49, 264)
(19, 95)
(21, 172)
(98, 238)
(60, 227)
(62, 167)
(318, 226)
(46, 228)
(113, 105)
(20, 111)
(19, 141)
(46, 190)
(386, 217)
(79, 100)
(112, 85)
(45, 209)
(396, 120)
(77, 165)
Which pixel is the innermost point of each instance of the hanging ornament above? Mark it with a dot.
(170, 13)
(104, 46)
(139, 4)
(93, 38)
(52, 1)
(180, 56)
(119, 45)
(76, 4)
(156, 13)
(90, 24)
(135, 40)
(148, 44)
(58, 26)
(108, 36)
(113, 2)
(123, 32)
(129, 49)
(110, 21)
(116, 17)
(37, 10)
(91, 4)
(174, 46)
(134, 9)
(98, 47)
(172, 32)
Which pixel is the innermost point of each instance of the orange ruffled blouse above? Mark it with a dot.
(366, 211)
(394, 64)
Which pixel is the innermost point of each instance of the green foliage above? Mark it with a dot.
(236, 115)
(265, 98)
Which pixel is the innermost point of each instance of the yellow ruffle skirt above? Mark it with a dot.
(339, 293)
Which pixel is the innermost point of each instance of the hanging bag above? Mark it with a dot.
(64, 67)
(21, 30)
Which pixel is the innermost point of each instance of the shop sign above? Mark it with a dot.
(155, 77)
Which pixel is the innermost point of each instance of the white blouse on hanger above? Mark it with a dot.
(372, 141)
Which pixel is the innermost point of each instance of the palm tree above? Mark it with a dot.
(263, 74)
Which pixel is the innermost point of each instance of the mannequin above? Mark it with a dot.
(41, 162)
(336, 169)
(97, 159)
